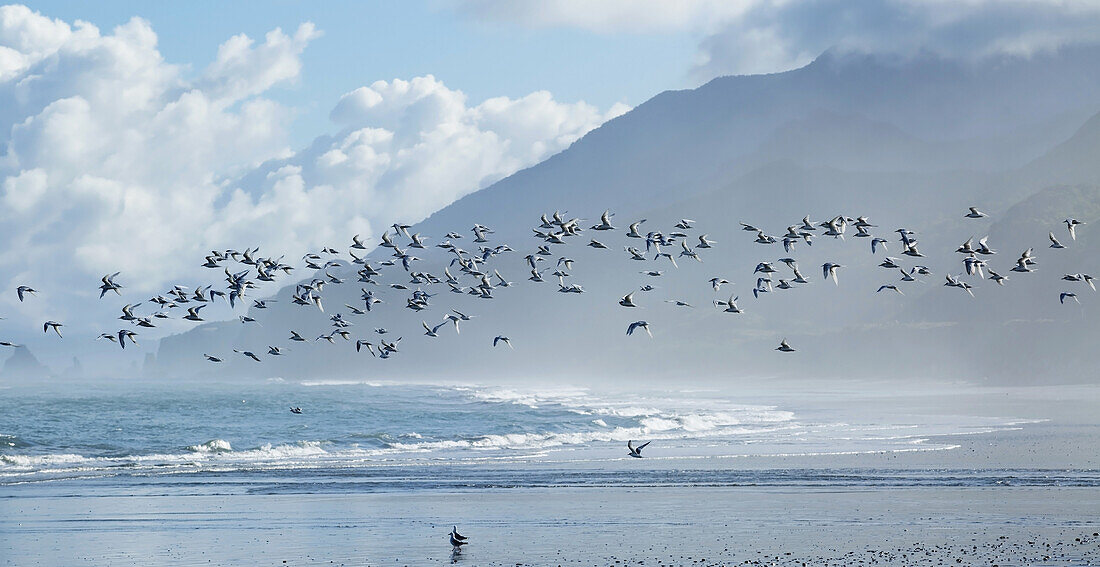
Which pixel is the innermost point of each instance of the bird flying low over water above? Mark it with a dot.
(636, 452)
(784, 347)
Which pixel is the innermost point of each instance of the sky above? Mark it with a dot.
(362, 42)
(138, 136)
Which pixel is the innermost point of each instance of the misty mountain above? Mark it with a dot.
(23, 366)
(907, 143)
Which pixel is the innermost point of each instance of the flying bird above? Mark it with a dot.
(126, 334)
(193, 314)
(636, 452)
(52, 325)
(639, 324)
(249, 354)
(731, 305)
(109, 285)
(1071, 224)
(23, 290)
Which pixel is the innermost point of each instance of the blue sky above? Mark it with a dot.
(367, 41)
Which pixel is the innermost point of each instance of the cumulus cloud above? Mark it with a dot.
(765, 36)
(419, 137)
(243, 69)
(113, 160)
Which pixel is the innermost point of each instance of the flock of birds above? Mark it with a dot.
(474, 274)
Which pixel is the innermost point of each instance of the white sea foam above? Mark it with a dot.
(684, 427)
(371, 383)
(212, 446)
(34, 461)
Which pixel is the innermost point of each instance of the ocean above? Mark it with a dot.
(356, 435)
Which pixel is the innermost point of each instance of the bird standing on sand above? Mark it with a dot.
(457, 540)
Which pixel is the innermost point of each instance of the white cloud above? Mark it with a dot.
(766, 36)
(112, 160)
(774, 36)
(412, 147)
(608, 15)
(242, 70)
(27, 38)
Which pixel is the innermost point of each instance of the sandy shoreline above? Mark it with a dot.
(671, 526)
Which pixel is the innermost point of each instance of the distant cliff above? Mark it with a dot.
(22, 365)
